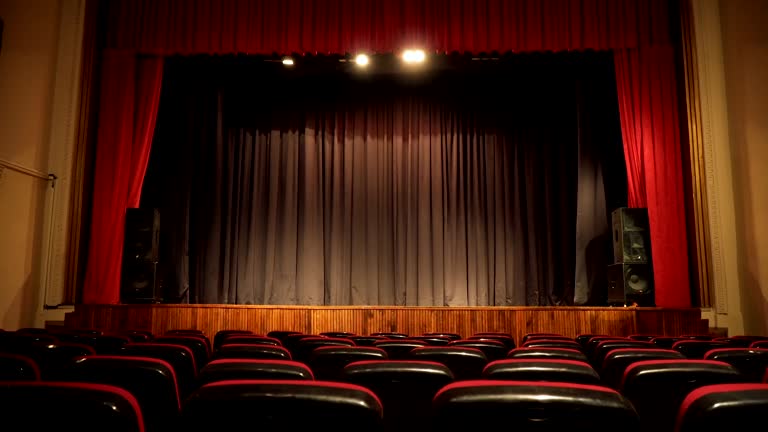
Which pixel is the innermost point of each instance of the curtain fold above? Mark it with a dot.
(390, 204)
(601, 184)
(129, 99)
(340, 26)
(648, 105)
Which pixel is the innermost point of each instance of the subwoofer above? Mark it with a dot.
(631, 239)
(630, 284)
(139, 278)
(139, 284)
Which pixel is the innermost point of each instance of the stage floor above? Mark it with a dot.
(363, 320)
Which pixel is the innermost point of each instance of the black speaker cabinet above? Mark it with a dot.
(631, 236)
(139, 278)
(630, 285)
(142, 234)
(139, 284)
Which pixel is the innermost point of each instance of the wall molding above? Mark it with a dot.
(716, 152)
(64, 109)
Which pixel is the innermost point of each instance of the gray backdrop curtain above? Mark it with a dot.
(296, 189)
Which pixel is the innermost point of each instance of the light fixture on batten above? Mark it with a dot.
(362, 60)
(287, 61)
(411, 56)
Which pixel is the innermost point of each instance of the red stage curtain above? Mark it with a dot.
(129, 99)
(165, 27)
(648, 106)
(339, 26)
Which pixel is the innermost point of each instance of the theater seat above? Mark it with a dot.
(249, 369)
(718, 408)
(445, 335)
(327, 363)
(666, 342)
(531, 406)
(696, 349)
(535, 337)
(50, 357)
(82, 407)
(618, 360)
(337, 334)
(550, 353)
(15, 367)
(530, 336)
(390, 335)
(248, 351)
(583, 339)
(657, 388)
(759, 344)
(552, 343)
(281, 406)
(431, 340)
(567, 371)
(219, 337)
(282, 334)
(605, 347)
(249, 339)
(179, 357)
(151, 381)
(642, 337)
(493, 349)
(751, 362)
(366, 340)
(195, 344)
(464, 363)
(303, 349)
(507, 340)
(399, 349)
(405, 388)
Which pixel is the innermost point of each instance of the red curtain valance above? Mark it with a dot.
(338, 26)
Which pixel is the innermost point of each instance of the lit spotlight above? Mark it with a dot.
(287, 61)
(414, 56)
(362, 60)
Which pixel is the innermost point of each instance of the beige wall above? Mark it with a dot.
(27, 69)
(745, 52)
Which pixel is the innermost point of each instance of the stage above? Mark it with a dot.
(363, 320)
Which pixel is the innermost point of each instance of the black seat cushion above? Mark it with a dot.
(405, 388)
(751, 362)
(282, 405)
(547, 352)
(250, 369)
(657, 387)
(532, 406)
(328, 362)
(464, 363)
(717, 408)
(83, 407)
(152, 381)
(567, 371)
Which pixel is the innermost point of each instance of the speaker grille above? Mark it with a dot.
(630, 285)
(139, 282)
(631, 242)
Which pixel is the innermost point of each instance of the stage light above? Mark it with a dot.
(287, 61)
(414, 56)
(362, 60)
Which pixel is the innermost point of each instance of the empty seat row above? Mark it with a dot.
(305, 405)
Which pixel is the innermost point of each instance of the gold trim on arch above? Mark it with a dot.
(700, 214)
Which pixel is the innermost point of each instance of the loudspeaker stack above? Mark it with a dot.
(139, 282)
(630, 278)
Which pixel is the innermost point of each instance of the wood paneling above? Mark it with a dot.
(569, 321)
